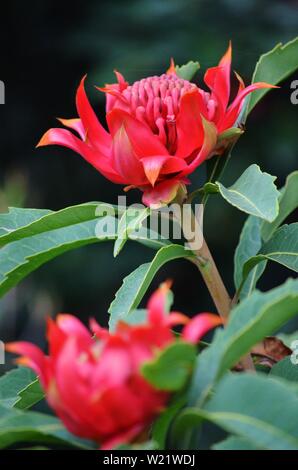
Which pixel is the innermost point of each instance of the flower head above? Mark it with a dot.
(161, 129)
(94, 382)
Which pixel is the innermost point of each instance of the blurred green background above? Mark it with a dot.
(46, 47)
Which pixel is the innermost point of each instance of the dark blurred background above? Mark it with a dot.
(46, 47)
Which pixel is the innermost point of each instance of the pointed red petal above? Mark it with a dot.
(235, 107)
(218, 79)
(199, 326)
(71, 325)
(75, 124)
(157, 304)
(210, 139)
(33, 356)
(65, 138)
(192, 107)
(96, 134)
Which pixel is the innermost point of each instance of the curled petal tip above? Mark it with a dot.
(227, 57)
(199, 326)
(45, 140)
(172, 68)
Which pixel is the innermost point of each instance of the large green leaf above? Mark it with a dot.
(273, 67)
(136, 283)
(12, 383)
(254, 193)
(242, 404)
(19, 426)
(281, 248)
(171, 368)
(249, 244)
(288, 202)
(20, 258)
(22, 223)
(257, 316)
(29, 242)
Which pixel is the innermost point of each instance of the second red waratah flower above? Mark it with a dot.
(94, 384)
(161, 129)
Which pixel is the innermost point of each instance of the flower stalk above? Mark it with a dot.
(211, 276)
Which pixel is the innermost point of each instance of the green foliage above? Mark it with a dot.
(187, 71)
(273, 67)
(249, 244)
(171, 368)
(136, 283)
(13, 386)
(255, 231)
(31, 238)
(240, 406)
(30, 395)
(19, 426)
(162, 423)
(281, 248)
(288, 202)
(254, 193)
(257, 316)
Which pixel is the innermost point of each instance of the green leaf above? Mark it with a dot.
(187, 71)
(285, 369)
(254, 193)
(30, 395)
(16, 219)
(281, 248)
(29, 246)
(22, 223)
(19, 426)
(129, 223)
(255, 317)
(234, 443)
(249, 244)
(171, 368)
(20, 258)
(288, 202)
(242, 404)
(136, 283)
(162, 424)
(273, 67)
(14, 382)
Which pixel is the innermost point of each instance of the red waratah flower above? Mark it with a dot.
(94, 383)
(161, 129)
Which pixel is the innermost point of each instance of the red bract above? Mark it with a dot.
(94, 383)
(161, 129)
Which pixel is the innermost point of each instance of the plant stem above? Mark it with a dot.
(205, 263)
(207, 267)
